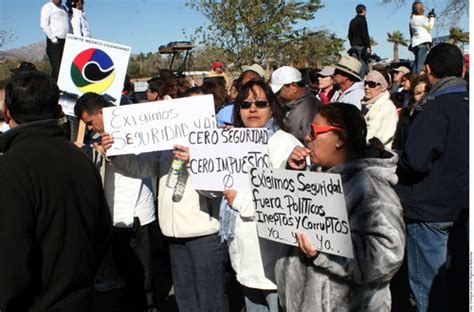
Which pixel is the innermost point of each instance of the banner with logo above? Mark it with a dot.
(91, 65)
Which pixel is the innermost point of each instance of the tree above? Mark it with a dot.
(373, 43)
(449, 14)
(309, 49)
(252, 30)
(457, 35)
(6, 36)
(396, 38)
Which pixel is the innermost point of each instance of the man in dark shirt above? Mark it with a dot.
(359, 38)
(54, 220)
(433, 182)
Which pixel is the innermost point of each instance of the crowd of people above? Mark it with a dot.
(397, 136)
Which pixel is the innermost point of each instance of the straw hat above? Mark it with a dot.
(349, 65)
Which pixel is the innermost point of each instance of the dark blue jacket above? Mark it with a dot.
(434, 165)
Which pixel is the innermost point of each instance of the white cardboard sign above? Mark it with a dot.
(289, 201)
(91, 65)
(221, 158)
(156, 126)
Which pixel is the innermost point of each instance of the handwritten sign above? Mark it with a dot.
(221, 158)
(157, 126)
(289, 201)
(91, 65)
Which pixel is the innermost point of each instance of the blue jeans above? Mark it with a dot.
(427, 263)
(420, 51)
(260, 300)
(359, 53)
(197, 266)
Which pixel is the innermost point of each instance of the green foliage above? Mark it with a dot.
(252, 30)
(9, 64)
(397, 37)
(312, 49)
(457, 35)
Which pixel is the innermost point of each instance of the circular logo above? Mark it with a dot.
(92, 71)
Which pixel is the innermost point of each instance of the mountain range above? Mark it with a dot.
(32, 53)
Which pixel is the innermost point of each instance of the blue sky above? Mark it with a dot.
(146, 24)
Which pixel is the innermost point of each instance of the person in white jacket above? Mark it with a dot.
(382, 116)
(191, 225)
(252, 258)
(420, 27)
(79, 24)
(132, 206)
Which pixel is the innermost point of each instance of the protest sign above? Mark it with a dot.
(91, 65)
(288, 202)
(157, 126)
(221, 158)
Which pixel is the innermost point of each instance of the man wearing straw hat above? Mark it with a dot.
(346, 75)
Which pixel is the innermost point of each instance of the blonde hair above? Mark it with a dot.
(417, 8)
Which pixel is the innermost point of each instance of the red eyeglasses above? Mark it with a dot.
(315, 129)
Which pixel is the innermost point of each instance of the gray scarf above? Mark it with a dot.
(437, 89)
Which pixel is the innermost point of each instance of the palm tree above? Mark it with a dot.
(373, 43)
(398, 39)
(457, 35)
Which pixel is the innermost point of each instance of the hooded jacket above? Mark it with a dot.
(55, 225)
(333, 283)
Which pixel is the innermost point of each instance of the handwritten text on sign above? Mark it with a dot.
(157, 126)
(289, 201)
(222, 158)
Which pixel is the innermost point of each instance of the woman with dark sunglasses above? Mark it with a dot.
(309, 280)
(382, 115)
(253, 259)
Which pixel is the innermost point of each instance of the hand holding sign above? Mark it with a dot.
(305, 245)
(230, 196)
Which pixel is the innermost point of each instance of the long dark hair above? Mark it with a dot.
(275, 106)
(354, 135)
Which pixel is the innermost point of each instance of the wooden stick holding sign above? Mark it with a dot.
(80, 134)
(289, 201)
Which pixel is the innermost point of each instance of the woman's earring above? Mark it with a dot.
(338, 145)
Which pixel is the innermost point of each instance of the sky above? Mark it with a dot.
(146, 24)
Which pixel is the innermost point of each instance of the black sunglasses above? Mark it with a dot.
(258, 104)
(371, 84)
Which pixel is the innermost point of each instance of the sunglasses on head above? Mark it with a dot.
(258, 104)
(315, 129)
(371, 84)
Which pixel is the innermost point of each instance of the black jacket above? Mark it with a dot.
(359, 32)
(434, 165)
(55, 225)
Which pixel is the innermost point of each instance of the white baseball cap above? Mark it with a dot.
(255, 68)
(284, 75)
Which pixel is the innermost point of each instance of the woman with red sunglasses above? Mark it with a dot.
(252, 258)
(309, 280)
